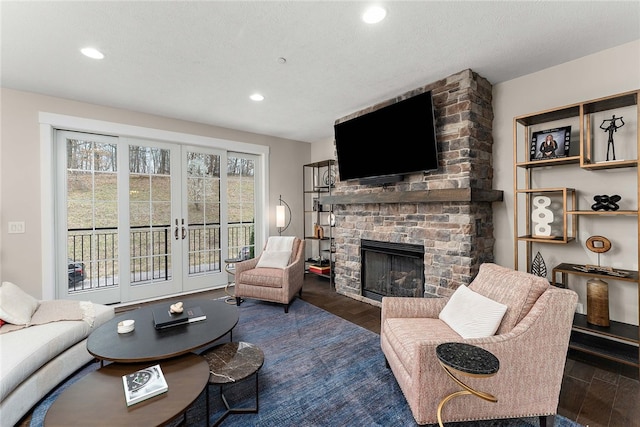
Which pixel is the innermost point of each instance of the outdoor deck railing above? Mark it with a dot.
(93, 253)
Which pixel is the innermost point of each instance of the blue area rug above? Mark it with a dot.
(319, 370)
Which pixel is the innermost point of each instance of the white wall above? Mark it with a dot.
(599, 75)
(323, 150)
(20, 259)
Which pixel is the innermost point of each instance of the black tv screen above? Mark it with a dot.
(398, 139)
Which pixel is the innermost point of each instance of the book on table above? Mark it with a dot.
(144, 384)
(163, 318)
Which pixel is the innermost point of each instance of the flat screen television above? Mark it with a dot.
(388, 143)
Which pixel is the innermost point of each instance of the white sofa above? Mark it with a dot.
(35, 359)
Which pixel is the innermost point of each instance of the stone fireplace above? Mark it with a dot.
(447, 212)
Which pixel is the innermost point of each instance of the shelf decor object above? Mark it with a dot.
(538, 267)
(547, 219)
(597, 302)
(598, 289)
(606, 203)
(550, 144)
(329, 177)
(611, 128)
(542, 217)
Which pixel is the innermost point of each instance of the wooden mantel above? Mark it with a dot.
(417, 196)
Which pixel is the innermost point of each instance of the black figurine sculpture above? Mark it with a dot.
(611, 128)
(606, 203)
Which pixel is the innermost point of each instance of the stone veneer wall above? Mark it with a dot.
(458, 236)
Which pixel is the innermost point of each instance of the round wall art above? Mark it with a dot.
(598, 244)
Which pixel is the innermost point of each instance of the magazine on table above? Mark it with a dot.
(163, 318)
(144, 384)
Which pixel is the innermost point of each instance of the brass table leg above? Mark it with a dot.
(467, 390)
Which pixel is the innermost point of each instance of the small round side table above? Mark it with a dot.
(468, 360)
(230, 363)
(229, 267)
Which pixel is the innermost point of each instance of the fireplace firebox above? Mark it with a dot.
(391, 269)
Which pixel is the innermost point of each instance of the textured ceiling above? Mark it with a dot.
(200, 61)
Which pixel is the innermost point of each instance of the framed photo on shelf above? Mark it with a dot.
(550, 143)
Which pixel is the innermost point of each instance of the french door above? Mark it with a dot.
(139, 219)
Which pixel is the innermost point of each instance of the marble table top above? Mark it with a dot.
(233, 361)
(468, 358)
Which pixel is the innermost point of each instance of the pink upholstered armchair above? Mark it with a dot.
(272, 282)
(530, 343)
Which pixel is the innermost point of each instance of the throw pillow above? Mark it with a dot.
(274, 259)
(16, 306)
(472, 315)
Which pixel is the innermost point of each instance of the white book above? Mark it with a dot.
(144, 384)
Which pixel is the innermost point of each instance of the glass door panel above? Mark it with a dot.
(203, 182)
(88, 212)
(241, 205)
(153, 236)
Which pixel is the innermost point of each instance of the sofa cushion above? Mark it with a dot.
(404, 334)
(517, 290)
(16, 306)
(269, 277)
(471, 314)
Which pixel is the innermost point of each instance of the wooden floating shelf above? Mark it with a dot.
(550, 162)
(552, 239)
(602, 212)
(631, 275)
(615, 164)
(418, 196)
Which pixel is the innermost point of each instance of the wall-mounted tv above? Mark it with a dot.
(388, 143)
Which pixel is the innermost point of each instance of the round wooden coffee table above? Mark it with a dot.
(145, 343)
(98, 399)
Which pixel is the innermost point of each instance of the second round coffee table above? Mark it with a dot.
(97, 399)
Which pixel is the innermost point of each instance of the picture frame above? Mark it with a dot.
(558, 142)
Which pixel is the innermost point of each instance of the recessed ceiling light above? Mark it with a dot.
(374, 14)
(256, 97)
(92, 53)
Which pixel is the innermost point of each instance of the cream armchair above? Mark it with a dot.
(271, 284)
(531, 345)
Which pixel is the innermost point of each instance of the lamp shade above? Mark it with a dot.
(280, 219)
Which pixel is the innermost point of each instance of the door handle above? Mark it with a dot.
(175, 233)
(184, 230)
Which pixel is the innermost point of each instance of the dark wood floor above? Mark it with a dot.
(595, 392)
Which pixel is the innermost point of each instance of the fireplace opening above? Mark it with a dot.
(391, 269)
